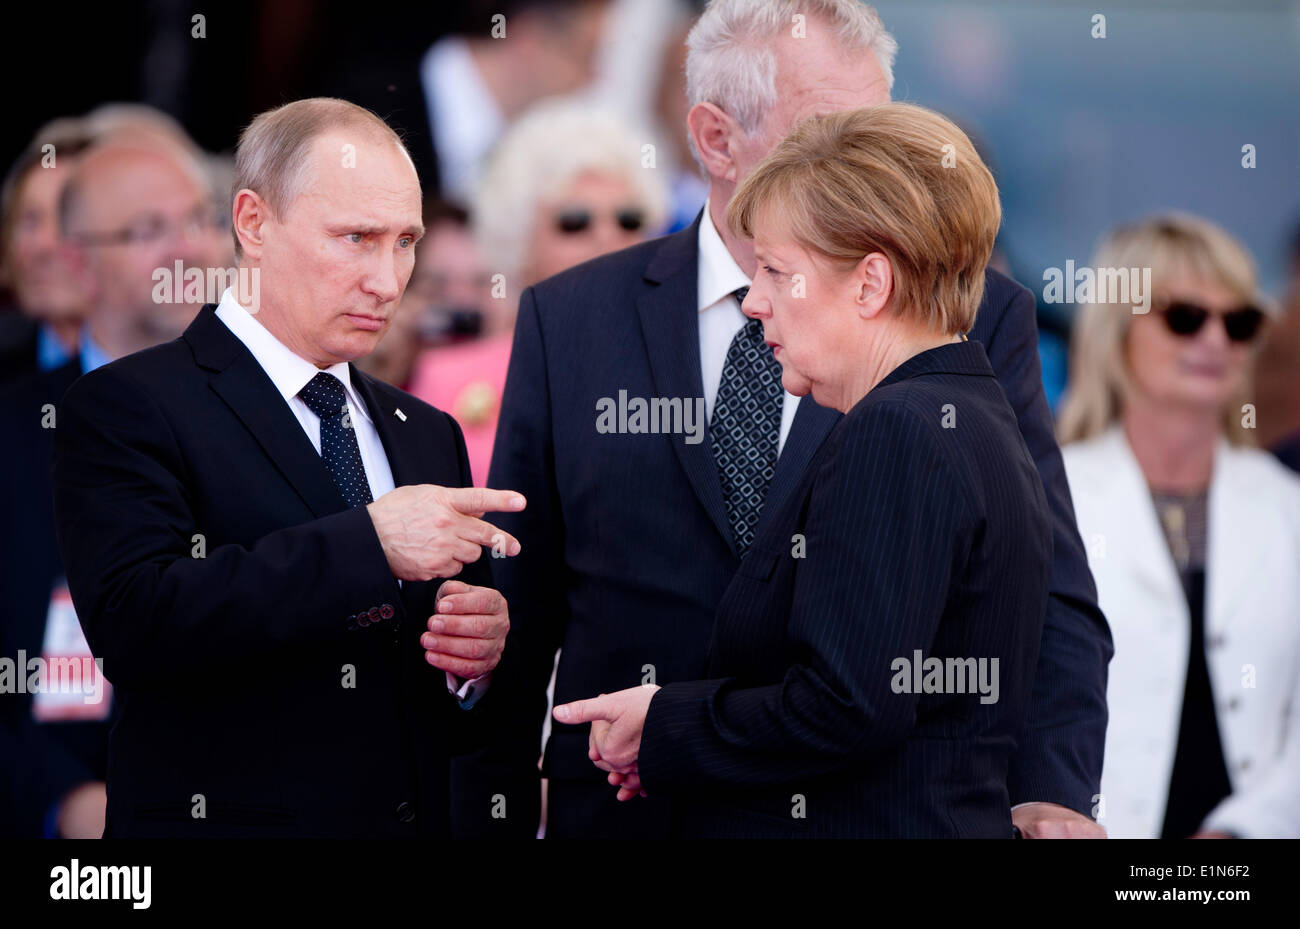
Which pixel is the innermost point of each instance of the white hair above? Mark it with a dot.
(730, 62)
(541, 155)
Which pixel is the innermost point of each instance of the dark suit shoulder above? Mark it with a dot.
(1001, 294)
(153, 368)
(924, 426)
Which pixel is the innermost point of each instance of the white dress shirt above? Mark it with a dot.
(464, 118)
(721, 318)
(290, 373)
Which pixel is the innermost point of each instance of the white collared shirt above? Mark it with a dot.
(465, 120)
(290, 373)
(721, 318)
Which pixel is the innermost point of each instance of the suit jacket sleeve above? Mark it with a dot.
(1059, 754)
(533, 583)
(126, 516)
(888, 527)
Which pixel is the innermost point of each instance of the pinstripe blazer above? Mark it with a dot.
(919, 533)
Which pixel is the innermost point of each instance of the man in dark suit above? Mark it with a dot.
(634, 537)
(250, 526)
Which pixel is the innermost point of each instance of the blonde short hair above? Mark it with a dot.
(271, 159)
(896, 179)
(1171, 245)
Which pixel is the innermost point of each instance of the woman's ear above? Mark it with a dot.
(712, 131)
(873, 279)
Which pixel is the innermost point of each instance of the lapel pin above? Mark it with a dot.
(400, 415)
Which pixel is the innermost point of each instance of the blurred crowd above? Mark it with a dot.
(1180, 427)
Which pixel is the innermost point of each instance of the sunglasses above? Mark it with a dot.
(1186, 319)
(578, 219)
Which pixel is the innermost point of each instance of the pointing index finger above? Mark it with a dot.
(475, 501)
(584, 711)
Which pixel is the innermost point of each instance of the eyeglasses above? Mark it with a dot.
(152, 227)
(1186, 319)
(578, 219)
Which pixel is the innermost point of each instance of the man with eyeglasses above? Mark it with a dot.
(129, 210)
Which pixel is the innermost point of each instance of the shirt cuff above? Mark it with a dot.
(468, 692)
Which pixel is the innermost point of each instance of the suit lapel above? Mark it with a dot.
(1134, 513)
(398, 441)
(671, 328)
(244, 387)
(247, 390)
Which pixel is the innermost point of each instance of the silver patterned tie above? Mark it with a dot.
(746, 427)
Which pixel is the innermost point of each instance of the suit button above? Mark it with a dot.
(405, 812)
(375, 614)
(363, 619)
(352, 623)
(386, 611)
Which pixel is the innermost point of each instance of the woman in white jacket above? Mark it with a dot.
(1194, 540)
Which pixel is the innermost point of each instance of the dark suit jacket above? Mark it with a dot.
(627, 549)
(39, 763)
(277, 672)
(909, 538)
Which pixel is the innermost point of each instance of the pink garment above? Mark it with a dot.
(466, 380)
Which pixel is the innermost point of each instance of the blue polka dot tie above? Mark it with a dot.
(325, 396)
(746, 427)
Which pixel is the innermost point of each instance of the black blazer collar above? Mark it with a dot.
(241, 383)
(952, 358)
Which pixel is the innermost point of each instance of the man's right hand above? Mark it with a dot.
(429, 531)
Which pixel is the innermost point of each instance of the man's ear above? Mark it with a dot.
(249, 214)
(874, 280)
(713, 130)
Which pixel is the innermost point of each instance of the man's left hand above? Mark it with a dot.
(468, 633)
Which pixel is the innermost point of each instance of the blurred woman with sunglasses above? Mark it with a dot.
(1194, 541)
(567, 183)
